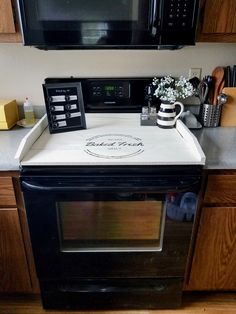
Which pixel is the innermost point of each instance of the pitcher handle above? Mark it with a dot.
(178, 103)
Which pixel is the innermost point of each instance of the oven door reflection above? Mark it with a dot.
(111, 225)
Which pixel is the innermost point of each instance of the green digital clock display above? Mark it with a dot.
(109, 88)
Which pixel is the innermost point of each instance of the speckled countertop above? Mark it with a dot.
(218, 144)
(9, 142)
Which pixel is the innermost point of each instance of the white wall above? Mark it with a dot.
(23, 69)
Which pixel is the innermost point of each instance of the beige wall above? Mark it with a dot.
(23, 69)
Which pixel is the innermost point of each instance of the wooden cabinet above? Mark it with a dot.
(9, 28)
(7, 194)
(14, 272)
(214, 259)
(217, 21)
(16, 263)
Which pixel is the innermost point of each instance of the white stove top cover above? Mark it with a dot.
(111, 139)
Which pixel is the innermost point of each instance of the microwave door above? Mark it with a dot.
(88, 24)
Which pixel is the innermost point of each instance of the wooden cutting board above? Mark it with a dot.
(228, 114)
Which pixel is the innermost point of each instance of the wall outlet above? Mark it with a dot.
(195, 72)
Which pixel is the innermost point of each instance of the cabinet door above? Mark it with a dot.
(218, 21)
(7, 24)
(214, 260)
(9, 31)
(7, 193)
(14, 272)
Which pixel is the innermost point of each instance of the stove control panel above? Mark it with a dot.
(114, 94)
(101, 94)
(109, 90)
(65, 107)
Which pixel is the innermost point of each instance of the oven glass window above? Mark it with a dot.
(111, 225)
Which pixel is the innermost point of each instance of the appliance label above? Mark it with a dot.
(114, 146)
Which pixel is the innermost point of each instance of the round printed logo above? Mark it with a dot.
(114, 146)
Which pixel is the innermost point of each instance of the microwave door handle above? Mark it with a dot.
(154, 18)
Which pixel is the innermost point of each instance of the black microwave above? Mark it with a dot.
(125, 24)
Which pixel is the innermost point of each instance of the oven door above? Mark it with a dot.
(109, 226)
(90, 23)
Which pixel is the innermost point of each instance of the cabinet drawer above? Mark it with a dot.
(7, 194)
(221, 189)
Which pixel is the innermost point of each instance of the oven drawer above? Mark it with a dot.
(7, 195)
(115, 293)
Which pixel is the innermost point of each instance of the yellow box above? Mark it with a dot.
(8, 114)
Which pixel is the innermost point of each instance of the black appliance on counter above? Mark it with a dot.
(78, 24)
(106, 235)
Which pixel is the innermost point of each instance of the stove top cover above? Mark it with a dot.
(111, 139)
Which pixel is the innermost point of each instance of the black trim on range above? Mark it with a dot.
(74, 171)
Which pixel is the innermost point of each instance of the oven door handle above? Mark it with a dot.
(178, 186)
(57, 189)
(43, 188)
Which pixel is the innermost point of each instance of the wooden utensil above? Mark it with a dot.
(218, 79)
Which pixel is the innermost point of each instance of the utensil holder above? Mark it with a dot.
(210, 115)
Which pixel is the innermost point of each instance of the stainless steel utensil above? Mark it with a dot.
(202, 91)
(222, 99)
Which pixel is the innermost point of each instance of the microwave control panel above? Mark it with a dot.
(179, 14)
(64, 106)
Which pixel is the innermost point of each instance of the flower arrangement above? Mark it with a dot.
(169, 90)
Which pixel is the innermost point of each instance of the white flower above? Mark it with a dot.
(169, 89)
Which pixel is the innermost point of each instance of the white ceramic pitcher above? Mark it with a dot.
(166, 117)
